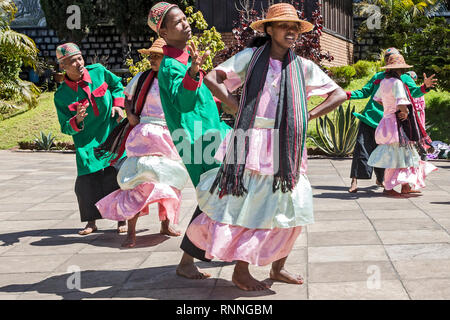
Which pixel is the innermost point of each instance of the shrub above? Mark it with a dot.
(343, 75)
(437, 115)
(16, 50)
(364, 68)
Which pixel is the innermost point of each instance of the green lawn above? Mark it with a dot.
(24, 126)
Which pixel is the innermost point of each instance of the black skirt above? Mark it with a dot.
(91, 188)
(365, 144)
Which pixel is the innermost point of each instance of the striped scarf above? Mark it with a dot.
(290, 123)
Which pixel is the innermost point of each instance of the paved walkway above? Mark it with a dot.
(362, 246)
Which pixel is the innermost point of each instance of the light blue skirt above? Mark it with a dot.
(393, 156)
(260, 208)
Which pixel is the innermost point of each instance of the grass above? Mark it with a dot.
(24, 126)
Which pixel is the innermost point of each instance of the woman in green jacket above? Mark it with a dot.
(369, 119)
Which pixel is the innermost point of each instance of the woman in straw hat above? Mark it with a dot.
(369, 119)
(255, 205)
(395, 151)
(153, 171)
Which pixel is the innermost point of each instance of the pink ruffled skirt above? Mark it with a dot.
(411, 175)
(152, 173)
(230, 243)
(262, 226)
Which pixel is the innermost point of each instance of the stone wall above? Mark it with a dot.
(367, 48)
(103, 41)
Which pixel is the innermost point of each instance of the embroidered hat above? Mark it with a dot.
(66, 50)
(412, 74)
(157, 47)
(157, 14)
(390, 51)
(282, 12)
(396, 61)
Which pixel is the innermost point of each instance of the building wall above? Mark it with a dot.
(340, 49)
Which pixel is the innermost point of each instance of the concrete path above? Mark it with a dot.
(362, 246)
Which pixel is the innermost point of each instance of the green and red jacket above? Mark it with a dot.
(190, 111)
(102, 90)
(373, 112)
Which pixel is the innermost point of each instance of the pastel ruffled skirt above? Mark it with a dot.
(402, 164)
(152, 173)
(259, 227)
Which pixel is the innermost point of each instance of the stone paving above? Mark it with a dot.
(362, 246)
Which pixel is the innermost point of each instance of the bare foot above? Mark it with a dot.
(122, 227)
(285, 276)
(88, 229)
(391, 193)
(130, 241)
(407, 189)
(168, 229)
(380, 184)
(244, 281)
(354, 186)
(191, 271)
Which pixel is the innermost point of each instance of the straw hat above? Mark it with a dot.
(396, 61)
(282, 12)
(157, 47)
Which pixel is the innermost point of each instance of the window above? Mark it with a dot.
(338, 17)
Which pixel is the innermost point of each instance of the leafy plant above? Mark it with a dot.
(208, 40)
(16, 50)
(337, 138)
(437, 114)
(343, 75)
(44, 142)
(364, 68)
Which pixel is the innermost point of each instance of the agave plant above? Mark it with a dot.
(337, 138)
(44, 142)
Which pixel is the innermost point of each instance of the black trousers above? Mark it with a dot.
(365, 144)
(188, 247)
(90, 188)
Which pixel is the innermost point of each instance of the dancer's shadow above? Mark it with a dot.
(366, 192)
(62, 237)
(140, 283)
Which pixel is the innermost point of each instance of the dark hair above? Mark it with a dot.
(164, 22)
(259, 41)
(390, 73)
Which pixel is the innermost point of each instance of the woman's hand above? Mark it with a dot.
(133, 119)
(403, 114)
(429, 82)
(119, 111)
